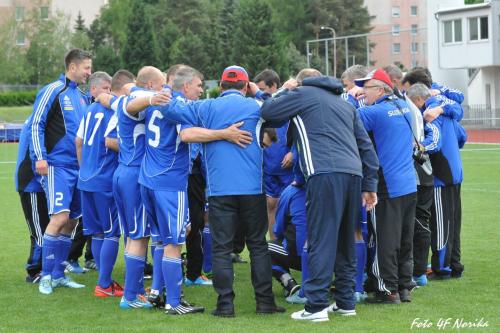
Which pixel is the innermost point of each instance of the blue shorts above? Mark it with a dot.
(61, 192)
(169, 213)
(131, 211)
(99, 214)
(275, 184)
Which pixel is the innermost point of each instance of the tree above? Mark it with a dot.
(114, 18)
(189, 49)
(97, 34)
(141, 47)
(80, 38)
(13, 67)
(254, 42)
(105, 59)
(49, 42)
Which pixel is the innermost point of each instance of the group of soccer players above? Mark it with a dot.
(136, 159)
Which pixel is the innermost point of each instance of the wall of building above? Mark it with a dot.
(454, 78)
(88, 8)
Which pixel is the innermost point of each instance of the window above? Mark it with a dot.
(20, 38)
(395, 11)
(19, 13)
(452, 31)
(478, 28)
(414, 29)
(414, 47)
(396, 48)
(395, 30)
(413, 11)
(44, 12)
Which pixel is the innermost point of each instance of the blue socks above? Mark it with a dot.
(96, 250)
(207, 250)
(134, 277)
(157, 283)
(361, 263)
(49, 248)
(172, 273)
(305, 269)
(63, 247)
(109, 252)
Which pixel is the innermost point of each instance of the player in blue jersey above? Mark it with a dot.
(33, 202)
(289, 249)
(388, 120)
(163, 177)
(234, 189)
(57, 112)
(278, 159)
(443, 146)
(353, 94)
(96, 148)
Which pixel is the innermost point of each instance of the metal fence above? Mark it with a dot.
(19, 87)
(481, 117)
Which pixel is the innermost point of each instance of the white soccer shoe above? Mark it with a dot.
(314, 317)
(335, 309)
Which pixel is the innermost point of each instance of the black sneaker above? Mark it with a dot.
(157, 300)
(405, 295)
(269, 309)
(223, 313)
(456, 274)
(183, 310)
(438, 276)
(384, 298)
(291, 287)
(35, 278)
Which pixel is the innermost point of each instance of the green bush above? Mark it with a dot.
(17, 98)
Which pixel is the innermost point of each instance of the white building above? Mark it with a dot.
(469, 38)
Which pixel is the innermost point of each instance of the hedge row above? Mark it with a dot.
(17, 98)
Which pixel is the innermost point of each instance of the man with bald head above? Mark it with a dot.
(163, 178)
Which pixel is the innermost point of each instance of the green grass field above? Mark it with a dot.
(15, 114)
(474, 296)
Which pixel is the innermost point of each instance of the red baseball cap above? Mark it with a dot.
(378, 74)
(234, 74)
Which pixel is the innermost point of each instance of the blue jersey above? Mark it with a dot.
(291, 218)
(230, 170)
(131, 130)
(166, 160)
(357, 103)
(453, 94)
(57, 113)
(443, 147)
(25, 177)
(392, 138)
(274, 154)
(98, 163)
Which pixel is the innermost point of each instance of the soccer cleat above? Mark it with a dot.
(296, 299)
(73, 267)
(156, 300)
(183, 309)
(420, 280)
(335, 309)
(314, 317)
(360, 296)
(90, 264)
(200, 281)
(208, 275)
(114, 290)
(138, 303)
(67, 282)
(45, 285)
(148, 271)
(35, 278)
